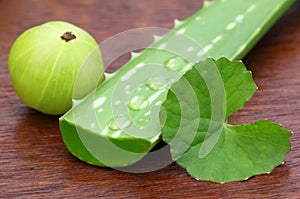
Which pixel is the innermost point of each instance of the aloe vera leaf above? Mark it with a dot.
(95, 132)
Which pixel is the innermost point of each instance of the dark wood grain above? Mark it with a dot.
(34, 161)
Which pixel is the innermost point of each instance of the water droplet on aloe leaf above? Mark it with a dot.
(156, 83)
(137, 103)
(175, 63)
(118, 123)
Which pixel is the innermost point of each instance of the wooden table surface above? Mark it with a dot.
(34, 161)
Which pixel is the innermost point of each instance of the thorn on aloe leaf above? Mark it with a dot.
(207, 3)
(156, 38)
(177, 23)
(134, 55)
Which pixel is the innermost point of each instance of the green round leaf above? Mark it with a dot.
(217, 151)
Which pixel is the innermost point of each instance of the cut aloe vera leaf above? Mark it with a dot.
(118, 124)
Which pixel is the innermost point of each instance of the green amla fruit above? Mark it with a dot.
(52, 63)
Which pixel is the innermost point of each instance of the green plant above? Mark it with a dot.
(107, 130)
(197, 130)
